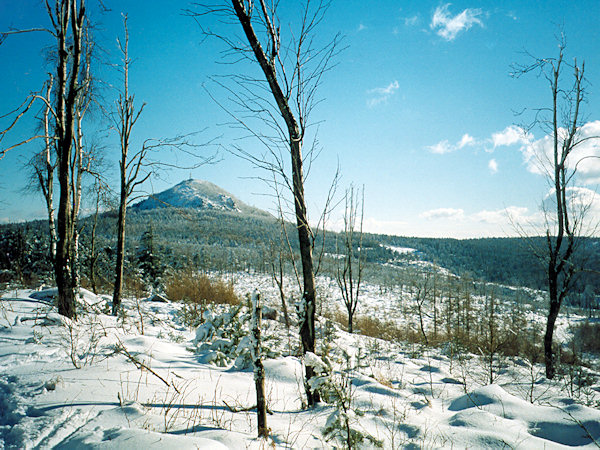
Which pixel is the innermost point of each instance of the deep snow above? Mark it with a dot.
(167, 389)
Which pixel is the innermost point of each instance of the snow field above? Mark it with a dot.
(167, 389)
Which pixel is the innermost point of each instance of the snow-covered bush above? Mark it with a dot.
(336, 389)
(224, 336)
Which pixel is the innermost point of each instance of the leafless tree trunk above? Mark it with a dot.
(564, 221)
(135, 168)
(259, 370)
(277, 271)
(43, 166)
(349, 272)
(67, 15)
(422, 294)
(99, 189)
(292, 75)
(129, 169)
(68, 28)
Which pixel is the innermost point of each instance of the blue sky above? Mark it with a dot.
(419, 108)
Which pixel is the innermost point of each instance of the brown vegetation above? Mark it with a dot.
(192, 287)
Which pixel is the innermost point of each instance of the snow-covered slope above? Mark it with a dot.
(145, 381)
(197, 194)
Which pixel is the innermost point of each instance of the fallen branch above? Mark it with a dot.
(245, 409)
(141, 365)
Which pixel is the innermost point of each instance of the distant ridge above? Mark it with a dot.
(199, 195)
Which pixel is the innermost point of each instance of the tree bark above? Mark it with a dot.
(549, 356)
(120, 253)
(67, 77)
(307, 328)
(259, 370)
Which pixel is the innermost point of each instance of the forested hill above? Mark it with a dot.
(510, 261)
(198, 223)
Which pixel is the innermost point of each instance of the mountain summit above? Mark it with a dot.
(197, 194)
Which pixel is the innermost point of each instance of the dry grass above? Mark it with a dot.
(587, 336)
(192, 287)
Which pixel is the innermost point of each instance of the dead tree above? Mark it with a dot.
(68, 20)
(565, 218)
(137, 166)
(292, 69)
(43, 165)
(276, 266)
(69, 30)
(129, 165)
(350, 266)
(259, 370)
(422, 286)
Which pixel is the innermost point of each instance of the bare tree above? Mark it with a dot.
(129, 165)
(421, 285)
(68, 20)
(69, 30)
(350, 267)
(276, 266)
(42, 166)
(259, 370)
(565, 218)
(292, 68)
(99, 189)
(136, 167)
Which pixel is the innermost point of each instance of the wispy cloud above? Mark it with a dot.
(411, 21)
(443, 213)
(361, 27)
(448, 26)
(444, 146)
(487, 222)
(493, 166)
(382, 94)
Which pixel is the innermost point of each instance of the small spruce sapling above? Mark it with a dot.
(335, 388)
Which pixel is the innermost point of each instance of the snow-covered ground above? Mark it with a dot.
(144, 380)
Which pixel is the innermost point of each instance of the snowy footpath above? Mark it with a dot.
(145, 380)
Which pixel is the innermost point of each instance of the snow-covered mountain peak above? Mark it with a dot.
(196, 194)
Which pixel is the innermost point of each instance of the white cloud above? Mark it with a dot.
(381, 94)
(448, 26)
(444, 146)
(361, 27)
(388, 90)
(496, 222)
(500, 216)
(443, 213)
(441, 148)
(585, 157)
(373, 225)
(511, 135)
(493, 166)
(466, 140)
(581, 200)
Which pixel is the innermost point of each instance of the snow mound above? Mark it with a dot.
(492, 408)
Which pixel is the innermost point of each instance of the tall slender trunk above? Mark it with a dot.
(259, 370)
(47, 182)
(93, 251)
(549, 357)
(120, 254)
(307, 328)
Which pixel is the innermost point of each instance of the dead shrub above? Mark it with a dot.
(587, 336)
(194, 288)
